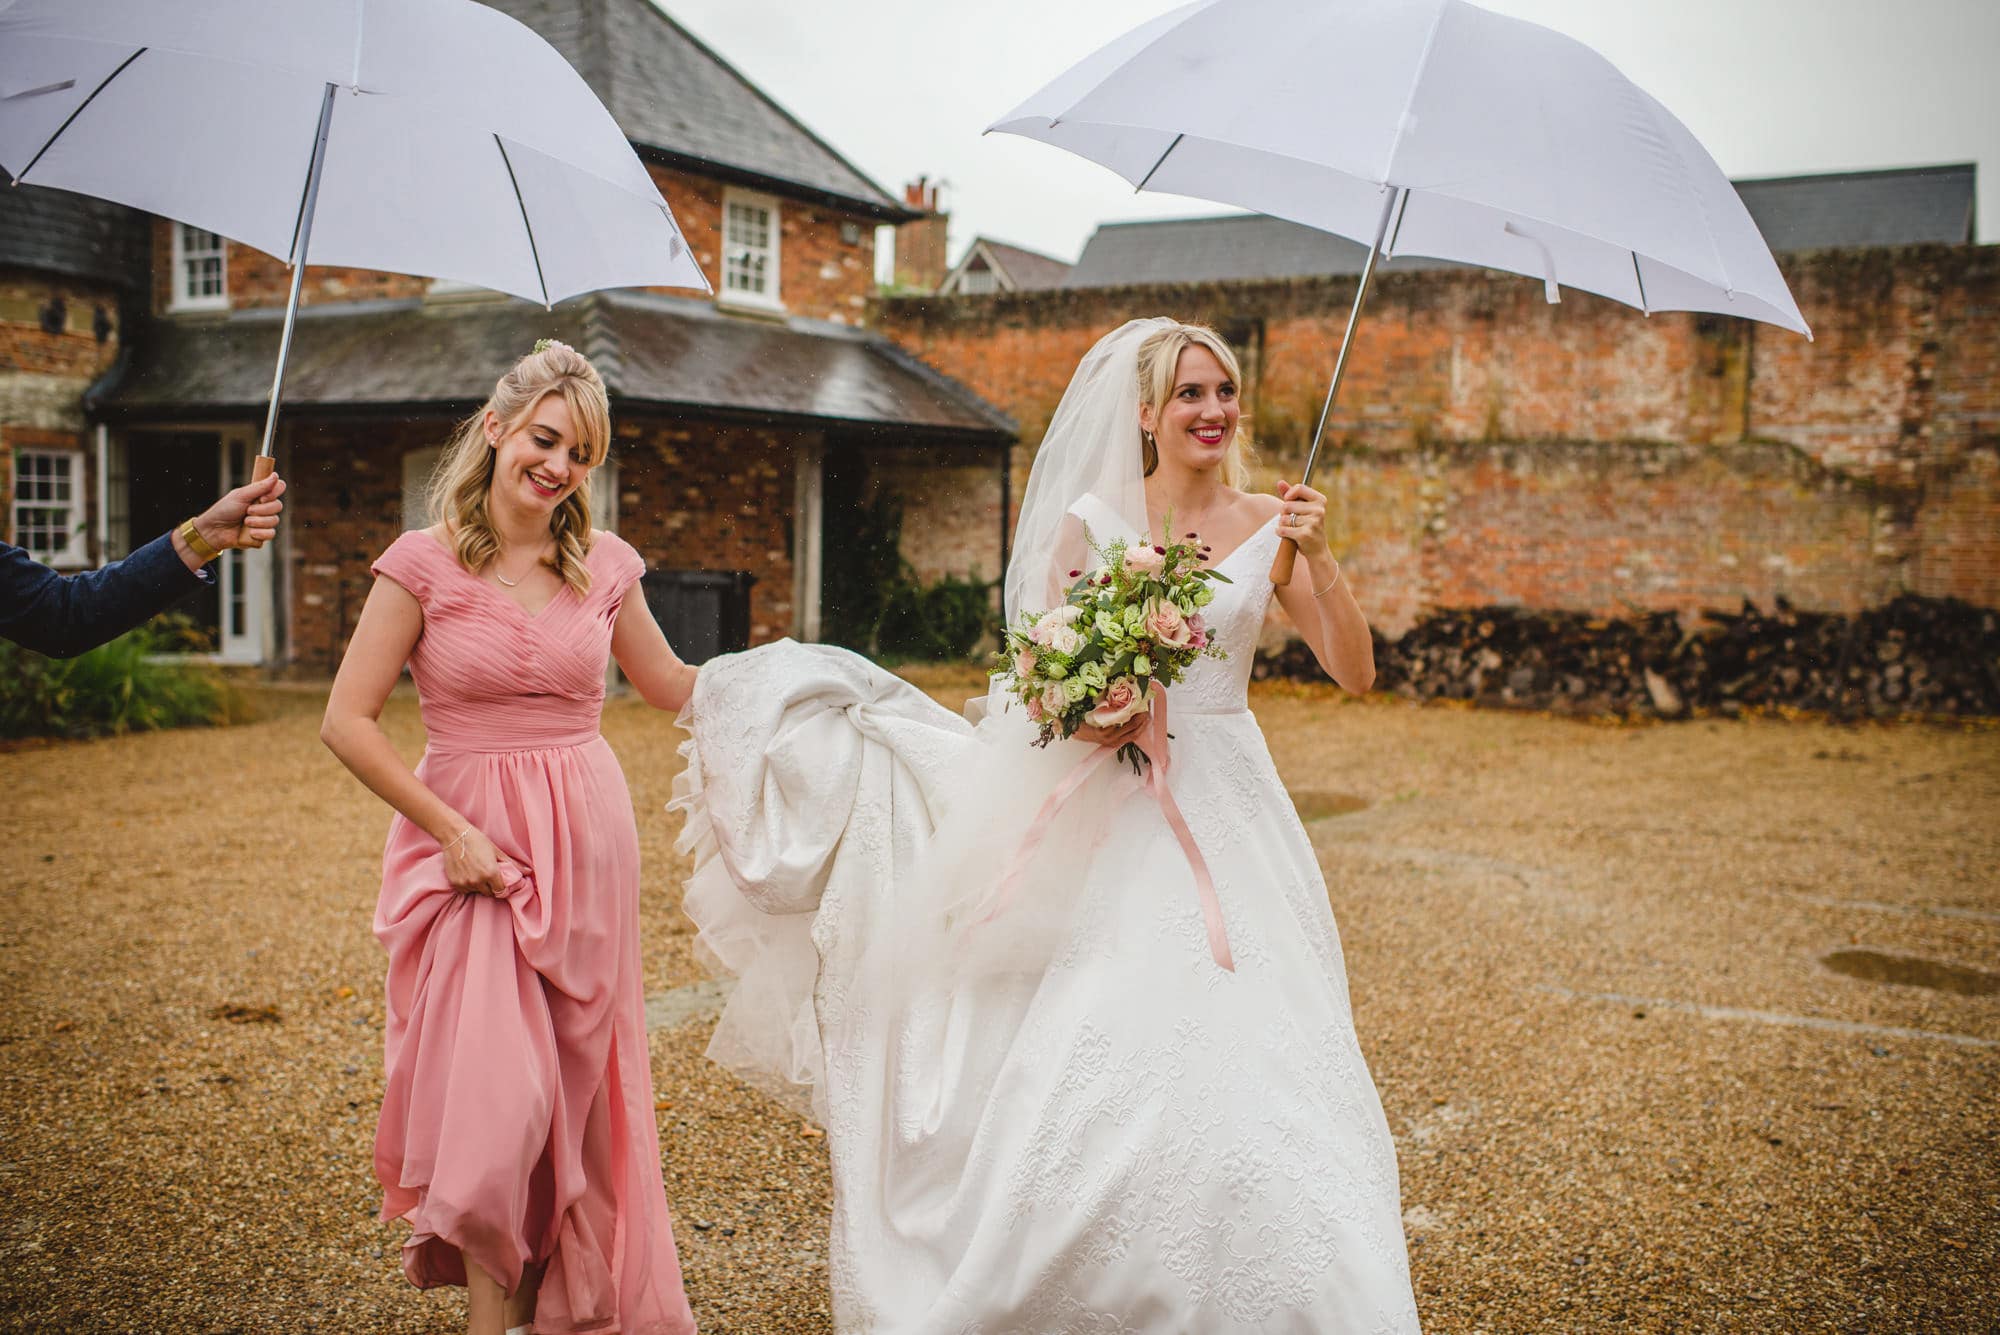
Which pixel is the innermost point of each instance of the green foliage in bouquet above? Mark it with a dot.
(1122, 630)
(114, 688)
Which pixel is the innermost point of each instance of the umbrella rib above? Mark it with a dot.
(1402, 207)
(1640, 279)
(70, 119)
(530, 227)
(1162, 162)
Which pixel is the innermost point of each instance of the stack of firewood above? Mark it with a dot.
(1911, 656)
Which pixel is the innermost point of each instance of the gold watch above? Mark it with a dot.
(200, 546)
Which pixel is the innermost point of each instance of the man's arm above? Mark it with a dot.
(63, 615)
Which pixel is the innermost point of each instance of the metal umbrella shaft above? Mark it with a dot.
(1288, 551)
(266, 461)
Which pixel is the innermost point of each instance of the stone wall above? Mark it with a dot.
(1491, 448)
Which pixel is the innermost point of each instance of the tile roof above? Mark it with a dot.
(1908, 206)
(658, 351)
(674, 96)
(56, 231)
(1237, 247)
(1901, 207)
(1030, 270)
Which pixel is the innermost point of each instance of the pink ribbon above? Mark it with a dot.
(1153, 743)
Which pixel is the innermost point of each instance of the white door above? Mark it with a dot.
(245, 577)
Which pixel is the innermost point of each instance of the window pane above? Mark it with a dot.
(202, 275)
(47, 512)
(746, 242)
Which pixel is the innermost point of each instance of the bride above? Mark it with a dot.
(1056, 1102)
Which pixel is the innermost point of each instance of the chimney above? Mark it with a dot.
(920, 243)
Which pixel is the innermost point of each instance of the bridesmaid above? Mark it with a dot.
(517, 1133)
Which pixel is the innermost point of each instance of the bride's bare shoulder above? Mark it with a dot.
(1259, 505)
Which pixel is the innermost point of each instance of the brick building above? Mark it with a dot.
(139, 354)
(1492, 449)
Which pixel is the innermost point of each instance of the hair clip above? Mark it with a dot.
(544, 344)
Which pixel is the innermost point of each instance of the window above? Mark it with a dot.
(201, 273)
(48, 506)
(749, 248)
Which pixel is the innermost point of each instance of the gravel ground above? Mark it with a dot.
(1586, 965)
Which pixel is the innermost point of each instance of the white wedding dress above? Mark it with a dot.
(1066, 1118)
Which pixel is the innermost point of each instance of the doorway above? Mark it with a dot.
(170, 475)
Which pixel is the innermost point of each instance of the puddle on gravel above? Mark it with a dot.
(1315, 805)
(1912, 971)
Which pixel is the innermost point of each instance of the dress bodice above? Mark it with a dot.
(1235, 619)
(492, 677)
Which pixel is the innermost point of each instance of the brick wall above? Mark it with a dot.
(952, 498)
(706, 496)
(692, 496)
(57, 335)
(822, 274)
(1489, 447)
(344, 506)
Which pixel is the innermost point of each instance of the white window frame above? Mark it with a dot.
(770, 298)
(75, 550)
(182, 299)
(981, 282)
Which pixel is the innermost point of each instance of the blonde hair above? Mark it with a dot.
(1159, 363)
(464, 479)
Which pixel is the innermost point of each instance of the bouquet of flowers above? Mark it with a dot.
(1122, 632)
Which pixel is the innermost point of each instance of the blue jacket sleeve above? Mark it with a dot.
(63, 615)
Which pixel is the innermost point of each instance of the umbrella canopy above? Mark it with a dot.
(1430, 127)
(457, 143)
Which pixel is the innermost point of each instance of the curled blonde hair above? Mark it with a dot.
(461, 486)
(1159, 362)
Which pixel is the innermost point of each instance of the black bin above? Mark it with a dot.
(703, 612)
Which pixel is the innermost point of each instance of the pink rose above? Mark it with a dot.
(1053, 699)
(1065, 640)
(1143, 560)
(1024, 664)
(1165, 623)
(1121, 700)
(1034, 709)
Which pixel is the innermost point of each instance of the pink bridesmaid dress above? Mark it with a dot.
(518, 1121)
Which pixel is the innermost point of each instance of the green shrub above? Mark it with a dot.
(114, 688)
(945, 620)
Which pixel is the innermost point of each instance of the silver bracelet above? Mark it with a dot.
(1329, 584)
(446, 850)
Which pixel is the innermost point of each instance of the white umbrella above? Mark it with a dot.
(432, 137)
(1420, 127)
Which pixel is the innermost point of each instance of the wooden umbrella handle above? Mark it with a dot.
(263, 468)
(1281, 567)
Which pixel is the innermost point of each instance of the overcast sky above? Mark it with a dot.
(1771, 87)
